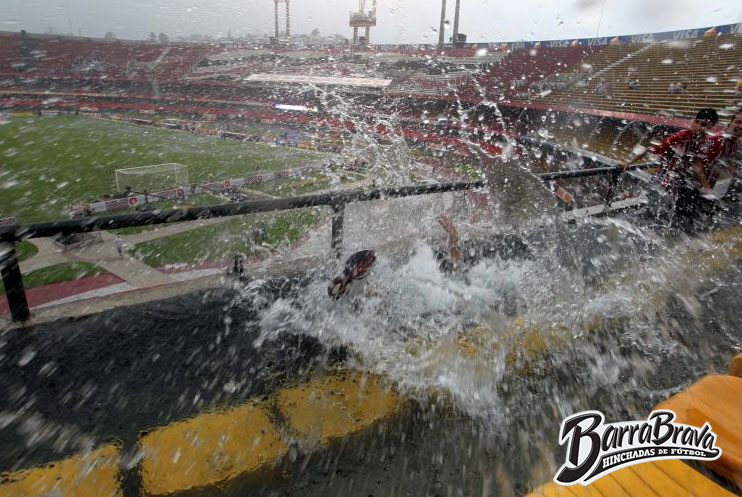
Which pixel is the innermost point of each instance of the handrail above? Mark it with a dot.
(10, 235)
(593, 171)
(13, 233)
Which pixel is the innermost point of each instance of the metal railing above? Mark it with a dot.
(10, 235)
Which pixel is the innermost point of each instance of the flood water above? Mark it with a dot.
(605, 314)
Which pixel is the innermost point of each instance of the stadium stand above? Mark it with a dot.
(563, 78)
(9, 51)
(706, 67)
(180, 60)
(65, 56)
(69, 56)
(524, 66)
(432, 85)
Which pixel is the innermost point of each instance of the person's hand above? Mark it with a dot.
(447, 225)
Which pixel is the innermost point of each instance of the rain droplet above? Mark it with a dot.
(26, 357)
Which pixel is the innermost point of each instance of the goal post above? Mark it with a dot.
(152, 178)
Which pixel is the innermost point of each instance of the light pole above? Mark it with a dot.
(441, 39)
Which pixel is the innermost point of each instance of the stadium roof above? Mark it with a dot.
(318, 80)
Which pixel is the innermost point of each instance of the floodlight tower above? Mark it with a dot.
(442, 27)
(276, 35)
(288, 20)
(455, 37)
(363, 19)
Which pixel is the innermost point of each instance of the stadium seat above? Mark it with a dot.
(708, 66)
(735, 366)
(718, 400)
(528, 66)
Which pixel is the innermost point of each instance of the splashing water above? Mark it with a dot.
(389, 161)
(602, 305)
(504, 319)
(375, 145)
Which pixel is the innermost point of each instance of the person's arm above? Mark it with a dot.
(700, 169)
(628, 163)
(659, 149)
(637, 157)
(453, 236)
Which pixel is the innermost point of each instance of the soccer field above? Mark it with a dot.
(49, 162)
(223, 241)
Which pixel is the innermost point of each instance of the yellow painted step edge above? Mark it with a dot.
(92, 474)
(208, 449)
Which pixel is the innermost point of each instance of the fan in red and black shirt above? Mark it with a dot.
(687, 154)
(685, 160)
(684, 157)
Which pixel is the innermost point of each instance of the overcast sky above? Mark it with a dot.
(399, 21)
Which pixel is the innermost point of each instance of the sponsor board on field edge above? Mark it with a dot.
(596, 448)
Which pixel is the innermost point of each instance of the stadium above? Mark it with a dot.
(173, 213)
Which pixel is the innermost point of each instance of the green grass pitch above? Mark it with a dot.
(49, 162)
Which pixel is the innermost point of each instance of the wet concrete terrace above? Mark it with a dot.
(174, 396)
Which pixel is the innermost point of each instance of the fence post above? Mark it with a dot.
(14, 291)
(338, 212)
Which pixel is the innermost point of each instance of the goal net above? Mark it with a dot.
(152, 178)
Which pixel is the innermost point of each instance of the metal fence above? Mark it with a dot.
(11, 234)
